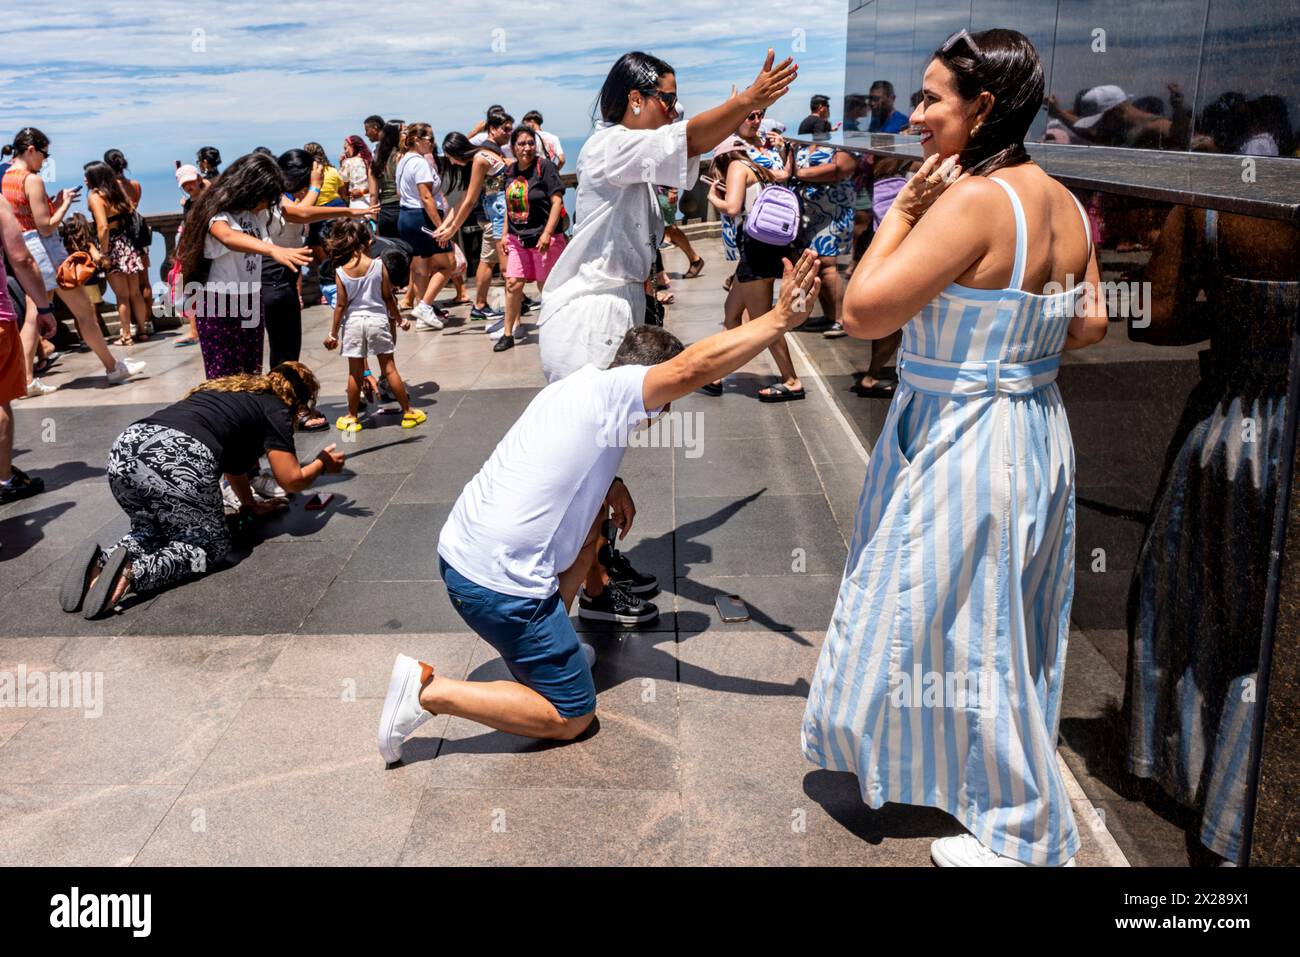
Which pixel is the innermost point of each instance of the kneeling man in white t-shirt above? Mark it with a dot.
(523, 533)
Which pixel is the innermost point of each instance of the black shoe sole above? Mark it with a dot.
(608, 618)
(98, 598)
(72, 593)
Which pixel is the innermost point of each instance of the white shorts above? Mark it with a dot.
(365, 334)
(49, 254)
(588, 330)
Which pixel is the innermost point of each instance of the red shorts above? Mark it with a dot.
(13, 375)
(530, 264)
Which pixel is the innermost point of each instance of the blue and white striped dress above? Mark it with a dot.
(939, 682)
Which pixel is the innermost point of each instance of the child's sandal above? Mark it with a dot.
(413, 418)
(347, 423)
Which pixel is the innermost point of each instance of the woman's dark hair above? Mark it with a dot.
(1005, 64)
(457, 146)
(78, 234)
(388, 141)
(722, 164)
(28, 137)
(210, 157)
(116, 160)
(247, 182)
(295, 165)
(646, 346)
(631, 71)
(318, 153)
(346, 239)
(103, 179)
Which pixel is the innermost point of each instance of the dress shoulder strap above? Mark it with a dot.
(1022, 248)
(1087, 226)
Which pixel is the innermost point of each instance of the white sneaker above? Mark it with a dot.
(266, 486)
(589, 652)
(402, 712)
(963, 850)
(124, 369)
(36, 388)
(496, 330)
(228, 497)
(425, 317)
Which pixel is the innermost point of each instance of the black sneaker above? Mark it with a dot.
(20, 486)
(615, 606)
(504, 343)
(622, 574)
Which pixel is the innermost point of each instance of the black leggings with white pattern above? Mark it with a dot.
(168, 483)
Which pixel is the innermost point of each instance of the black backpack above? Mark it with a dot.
(396, 255)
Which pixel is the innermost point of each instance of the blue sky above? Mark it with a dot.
(159, 79)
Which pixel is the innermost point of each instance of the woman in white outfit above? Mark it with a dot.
(597, 289)
(596, 292)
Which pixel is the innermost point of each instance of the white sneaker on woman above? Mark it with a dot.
(36, 388)
(402, 712)
(124, 369)
(425, 317)
(963, 850)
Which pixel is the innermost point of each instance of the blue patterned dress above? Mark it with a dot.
(939, 682)
(828, 207)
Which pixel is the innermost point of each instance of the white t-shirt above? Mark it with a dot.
(523, 518)
(551, 143)
(412, 170)
(230, 266)
(617, 222)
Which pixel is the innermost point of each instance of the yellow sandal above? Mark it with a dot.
(413, 418)
(346, 423)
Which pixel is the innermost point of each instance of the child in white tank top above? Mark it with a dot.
(367, 312)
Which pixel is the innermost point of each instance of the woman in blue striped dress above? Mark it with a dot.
(939, 682)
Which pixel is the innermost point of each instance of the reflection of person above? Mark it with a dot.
(1196, 605)
(520, 539)
(1107, 116)
(855, 107)
(963, 552)
(818, 119)
(884, 118)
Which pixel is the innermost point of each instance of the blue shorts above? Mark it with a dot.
(533, 635)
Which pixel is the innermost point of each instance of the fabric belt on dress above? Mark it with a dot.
(939, 377)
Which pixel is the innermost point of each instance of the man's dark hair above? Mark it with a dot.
(498, 119)
(817, 102)
(374, 119)
(646, 346)
(884, 85)
(532, 116)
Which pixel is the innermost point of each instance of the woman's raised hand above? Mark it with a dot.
(772, 82)
(291, 258)
(800, 284)
(926, 185)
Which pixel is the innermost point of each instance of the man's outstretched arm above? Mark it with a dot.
(723, 353)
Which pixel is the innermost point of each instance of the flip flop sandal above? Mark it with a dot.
(186, 341)
(413, 418)
(883, 389)
(76, 580)
(321, 422)
(711, 388)
(99, 597)
(697, 267)
(780, 393)
(123, 341)
(346, 423)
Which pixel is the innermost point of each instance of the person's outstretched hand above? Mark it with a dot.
(800, 283)
(772, 82)
(332, 460)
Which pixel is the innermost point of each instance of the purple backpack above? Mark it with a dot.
(774, 218)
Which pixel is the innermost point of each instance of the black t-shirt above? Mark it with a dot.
(528, 200)
(814, 124)
(239, 427)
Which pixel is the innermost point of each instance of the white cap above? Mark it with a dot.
(1096, 102)
(770, 124)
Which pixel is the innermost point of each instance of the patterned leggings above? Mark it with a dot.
(230, 343)
(168, 483)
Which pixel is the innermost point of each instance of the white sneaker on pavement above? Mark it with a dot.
(36, 388)
(425, 317)
(266, 486)
(125, 369)
(963, 850)
(402, 713)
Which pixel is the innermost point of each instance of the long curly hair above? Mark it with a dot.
(291, 382)
(246, 183)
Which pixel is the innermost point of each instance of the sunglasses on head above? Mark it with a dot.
(961, 37)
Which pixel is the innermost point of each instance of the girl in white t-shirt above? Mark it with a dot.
(423, 208)
(596, 291)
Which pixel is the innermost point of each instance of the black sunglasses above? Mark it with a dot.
(669, 100)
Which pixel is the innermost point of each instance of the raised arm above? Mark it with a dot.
(710, 359)
(706, 130)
